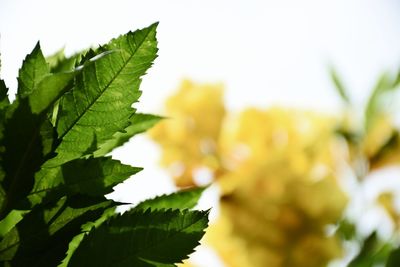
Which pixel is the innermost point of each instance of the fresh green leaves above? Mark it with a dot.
(394, 258)
(93, 177)
(42, 236)
(372, 253)
(339, 86)
(374, 106)
(54, 173)
(164, 237)
(99, 105)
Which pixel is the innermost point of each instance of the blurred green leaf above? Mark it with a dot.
(374, 105)
(346, 230)
(394, 258)
(389, 146)
(372, 253)
(340, 88)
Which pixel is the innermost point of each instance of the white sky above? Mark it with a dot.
(264, 51)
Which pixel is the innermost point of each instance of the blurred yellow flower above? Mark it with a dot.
(386, 200)
(276, 169)
(280, 190)
(189, 136)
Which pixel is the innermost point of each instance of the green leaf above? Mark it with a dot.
(389, 146)
(41, 238)
(372, 253)
(396, 81)
(67, 115)
(346, 230)
(93, 177)
(34, 69)
(54, 59)
(22, 155)
(341, 89)
(100, 103)
(374, 107)
(4, 102)
(36, 81)
(137, 238)
(138, 123)
(10, 221)
(73, 245)
(394, 258)
(3, 195)
(184, 199)
(28, 137)
(48, 90)
(58, 62)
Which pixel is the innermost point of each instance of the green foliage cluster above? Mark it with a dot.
(69, 113)
(373, 251)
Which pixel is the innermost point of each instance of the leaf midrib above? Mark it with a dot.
(105, 88)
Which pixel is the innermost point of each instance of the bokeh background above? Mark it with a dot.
(263, 53)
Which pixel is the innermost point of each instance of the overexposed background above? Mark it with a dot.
(264, 51)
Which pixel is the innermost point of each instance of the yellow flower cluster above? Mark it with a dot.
(189, 135)
(279, 191)
(276, 170)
